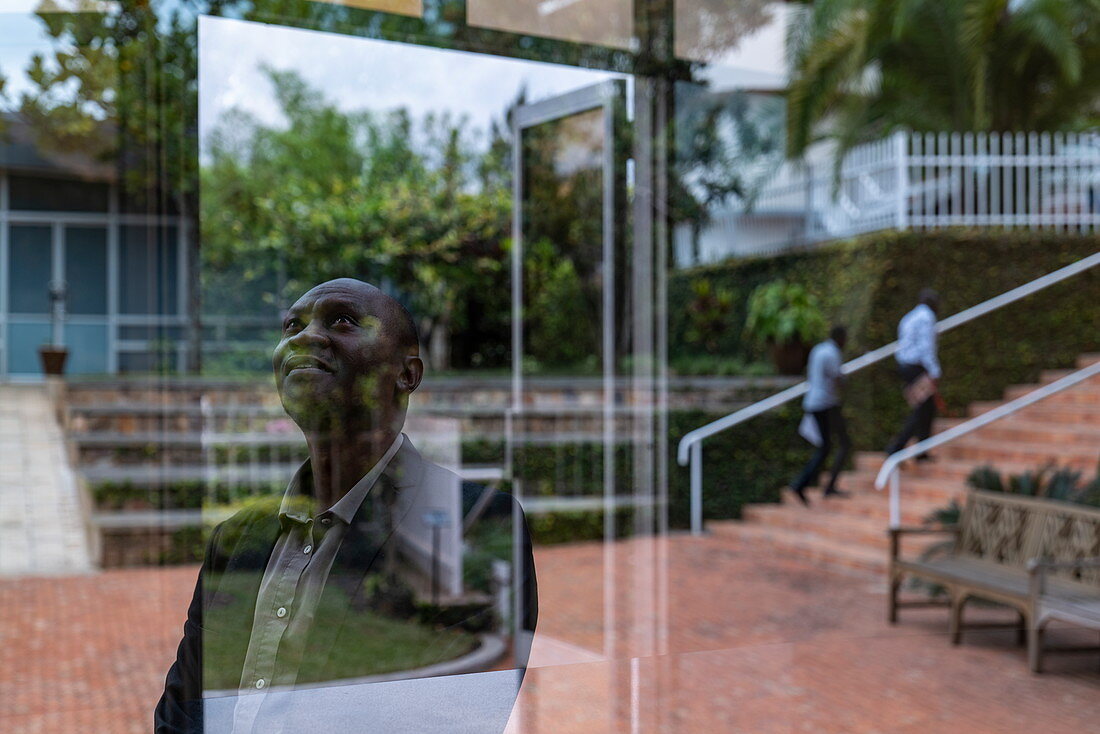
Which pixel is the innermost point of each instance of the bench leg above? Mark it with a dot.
(1034, 647)
(955, 625)
(1021, 631)
(892, 605)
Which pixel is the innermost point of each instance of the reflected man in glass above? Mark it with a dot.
(308, 602)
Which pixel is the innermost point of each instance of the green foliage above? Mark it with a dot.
(554, 528)
(708, 314)
(380, 197)
(870, 282)
(559, 332)
(718, 366)
(749, 463)
(782, 312)
(864, 68)
(1048, 481)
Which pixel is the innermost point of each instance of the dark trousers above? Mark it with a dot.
(919, 421)
(830, 422)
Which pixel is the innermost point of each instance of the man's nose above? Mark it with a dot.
(312, 334)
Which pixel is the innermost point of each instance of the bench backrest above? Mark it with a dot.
(1012, 529)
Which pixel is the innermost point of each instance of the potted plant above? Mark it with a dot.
(53, 354)
(788, 320)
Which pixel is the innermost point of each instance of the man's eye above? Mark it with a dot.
(343, 319)
(292, 325)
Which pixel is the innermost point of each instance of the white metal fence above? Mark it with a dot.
(915, 181)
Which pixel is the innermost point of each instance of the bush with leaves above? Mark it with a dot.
(782, 312)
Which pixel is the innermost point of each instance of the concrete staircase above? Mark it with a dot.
(850, 534)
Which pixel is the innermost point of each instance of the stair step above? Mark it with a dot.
(1087, 392)
(1045, 414)
(834, 555)
(990, 451)
(860, 530)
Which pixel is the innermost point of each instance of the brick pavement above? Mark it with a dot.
(754, 643)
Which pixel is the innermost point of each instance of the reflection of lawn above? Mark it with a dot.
(370, 643)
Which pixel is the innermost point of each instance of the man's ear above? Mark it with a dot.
(412, 372)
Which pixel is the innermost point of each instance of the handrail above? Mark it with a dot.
(690, 446)
(889, 470)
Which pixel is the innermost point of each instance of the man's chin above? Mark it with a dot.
(311, 406)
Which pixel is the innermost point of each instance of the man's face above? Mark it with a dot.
(337, 357)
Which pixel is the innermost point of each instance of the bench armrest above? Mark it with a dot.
(896, 533)
(1037, 568)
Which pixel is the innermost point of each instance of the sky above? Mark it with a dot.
(358, 73)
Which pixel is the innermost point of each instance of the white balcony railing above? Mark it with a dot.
(915, 181)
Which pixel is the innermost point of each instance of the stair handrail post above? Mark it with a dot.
(891, 468)
(697, 488)
(685, 450)
(895, 500)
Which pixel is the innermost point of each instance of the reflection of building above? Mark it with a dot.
(64, 217)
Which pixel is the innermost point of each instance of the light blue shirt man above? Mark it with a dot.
(823, 374)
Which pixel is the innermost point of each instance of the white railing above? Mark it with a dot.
(916, 181)
(691, 445)
(890, 471)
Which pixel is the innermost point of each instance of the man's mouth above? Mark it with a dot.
(305, 363)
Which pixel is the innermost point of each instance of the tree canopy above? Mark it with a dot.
(863, 68)
(374, 195)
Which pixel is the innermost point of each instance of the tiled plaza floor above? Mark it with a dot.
(745, 642)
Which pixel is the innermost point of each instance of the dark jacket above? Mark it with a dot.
(361, 582)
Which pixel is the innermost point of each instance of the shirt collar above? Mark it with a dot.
(346, 507)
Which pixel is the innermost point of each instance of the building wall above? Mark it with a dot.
(123, 274)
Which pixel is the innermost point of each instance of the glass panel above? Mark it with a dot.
(32, 193)
(87, 345)
(601, 22)
(563, 245)
(147, 270)
(23, 342)
(86, 269)
(31, 267)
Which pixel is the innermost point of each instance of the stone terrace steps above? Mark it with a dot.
(850, 533)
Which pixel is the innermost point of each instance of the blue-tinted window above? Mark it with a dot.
(24, 339)
(147, 270)
(86, 269)
(30, 264)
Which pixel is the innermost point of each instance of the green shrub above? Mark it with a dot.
(869, 283)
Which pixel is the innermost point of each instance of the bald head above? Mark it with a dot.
(395, 318)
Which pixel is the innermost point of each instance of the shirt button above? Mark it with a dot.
(280, 612)
(260, 683)
(326, 520)
(307, 549)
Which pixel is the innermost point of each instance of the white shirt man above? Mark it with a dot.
(822, 402)
(918, 363)
(917, 340)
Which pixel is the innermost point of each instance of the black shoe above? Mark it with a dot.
(834, 492)
(801, 494)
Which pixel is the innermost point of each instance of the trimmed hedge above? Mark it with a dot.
(869, 283)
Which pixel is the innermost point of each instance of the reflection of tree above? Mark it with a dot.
(708, 29)
(372, 195)
(120, 85)
(726, 146)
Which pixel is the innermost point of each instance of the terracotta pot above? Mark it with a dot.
(53, 359)
(790, 357)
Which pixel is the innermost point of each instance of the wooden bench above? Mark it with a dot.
(1041, 557)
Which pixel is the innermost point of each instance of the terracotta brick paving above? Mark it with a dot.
(754, 643)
